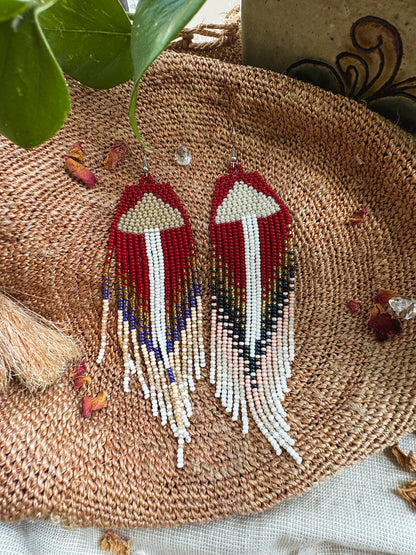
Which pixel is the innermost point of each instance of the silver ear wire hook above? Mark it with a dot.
(145, 166)
(233, 151)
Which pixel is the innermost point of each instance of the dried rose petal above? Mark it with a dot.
(81, 172)
(409, 492)
(353, 306)
(73, 159)
(406, 461)
(76, 151)
(79, 376)
(80, 370)
(91, 404)
(384, 296)
(383, 323)
(113, 543)
(79, 381)
(115, 154)
(358, 217)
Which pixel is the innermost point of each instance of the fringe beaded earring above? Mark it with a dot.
(253, 279)
(159, 300)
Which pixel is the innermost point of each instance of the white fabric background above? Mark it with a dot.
(356, 511)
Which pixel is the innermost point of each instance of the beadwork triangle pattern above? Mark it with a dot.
(252, 333)
(159, 325)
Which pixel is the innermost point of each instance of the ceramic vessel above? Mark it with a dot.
(362, 49)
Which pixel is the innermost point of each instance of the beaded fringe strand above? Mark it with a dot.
(252, 327)
(159, 301)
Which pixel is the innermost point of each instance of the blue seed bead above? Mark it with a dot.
(170, 375)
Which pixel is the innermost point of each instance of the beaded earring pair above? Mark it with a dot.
(160, 317)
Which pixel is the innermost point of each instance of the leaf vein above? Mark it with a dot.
(86, 31)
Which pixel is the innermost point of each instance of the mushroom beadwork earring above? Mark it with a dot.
(252, 315)
(159, 300)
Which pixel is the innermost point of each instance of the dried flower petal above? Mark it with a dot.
(81, 172)
(76, 151)
(383, 323)
(358, 217)
(91, 404)
(406, 461)
(80, 371)
(384, 296)
(80, 380)
(409, 492)
(113, 543)
(353, 306)
(115, 154)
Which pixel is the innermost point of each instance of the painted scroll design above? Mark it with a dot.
(368, 72)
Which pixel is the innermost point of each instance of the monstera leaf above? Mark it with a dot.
(34, 98)
(12, 8)
(94, 42)
(91, 40)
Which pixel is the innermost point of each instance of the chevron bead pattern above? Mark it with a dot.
(253, 299)
(159, 302)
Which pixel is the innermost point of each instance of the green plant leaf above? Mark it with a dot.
(10, 8)
(155, 24)
(34, 97)
(91, 40)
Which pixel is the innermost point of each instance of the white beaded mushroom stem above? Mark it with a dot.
(253, 280)
(154, 255)
(175, 404)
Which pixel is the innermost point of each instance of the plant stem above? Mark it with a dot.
(132, 116)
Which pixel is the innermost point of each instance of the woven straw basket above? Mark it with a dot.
(349, 395)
